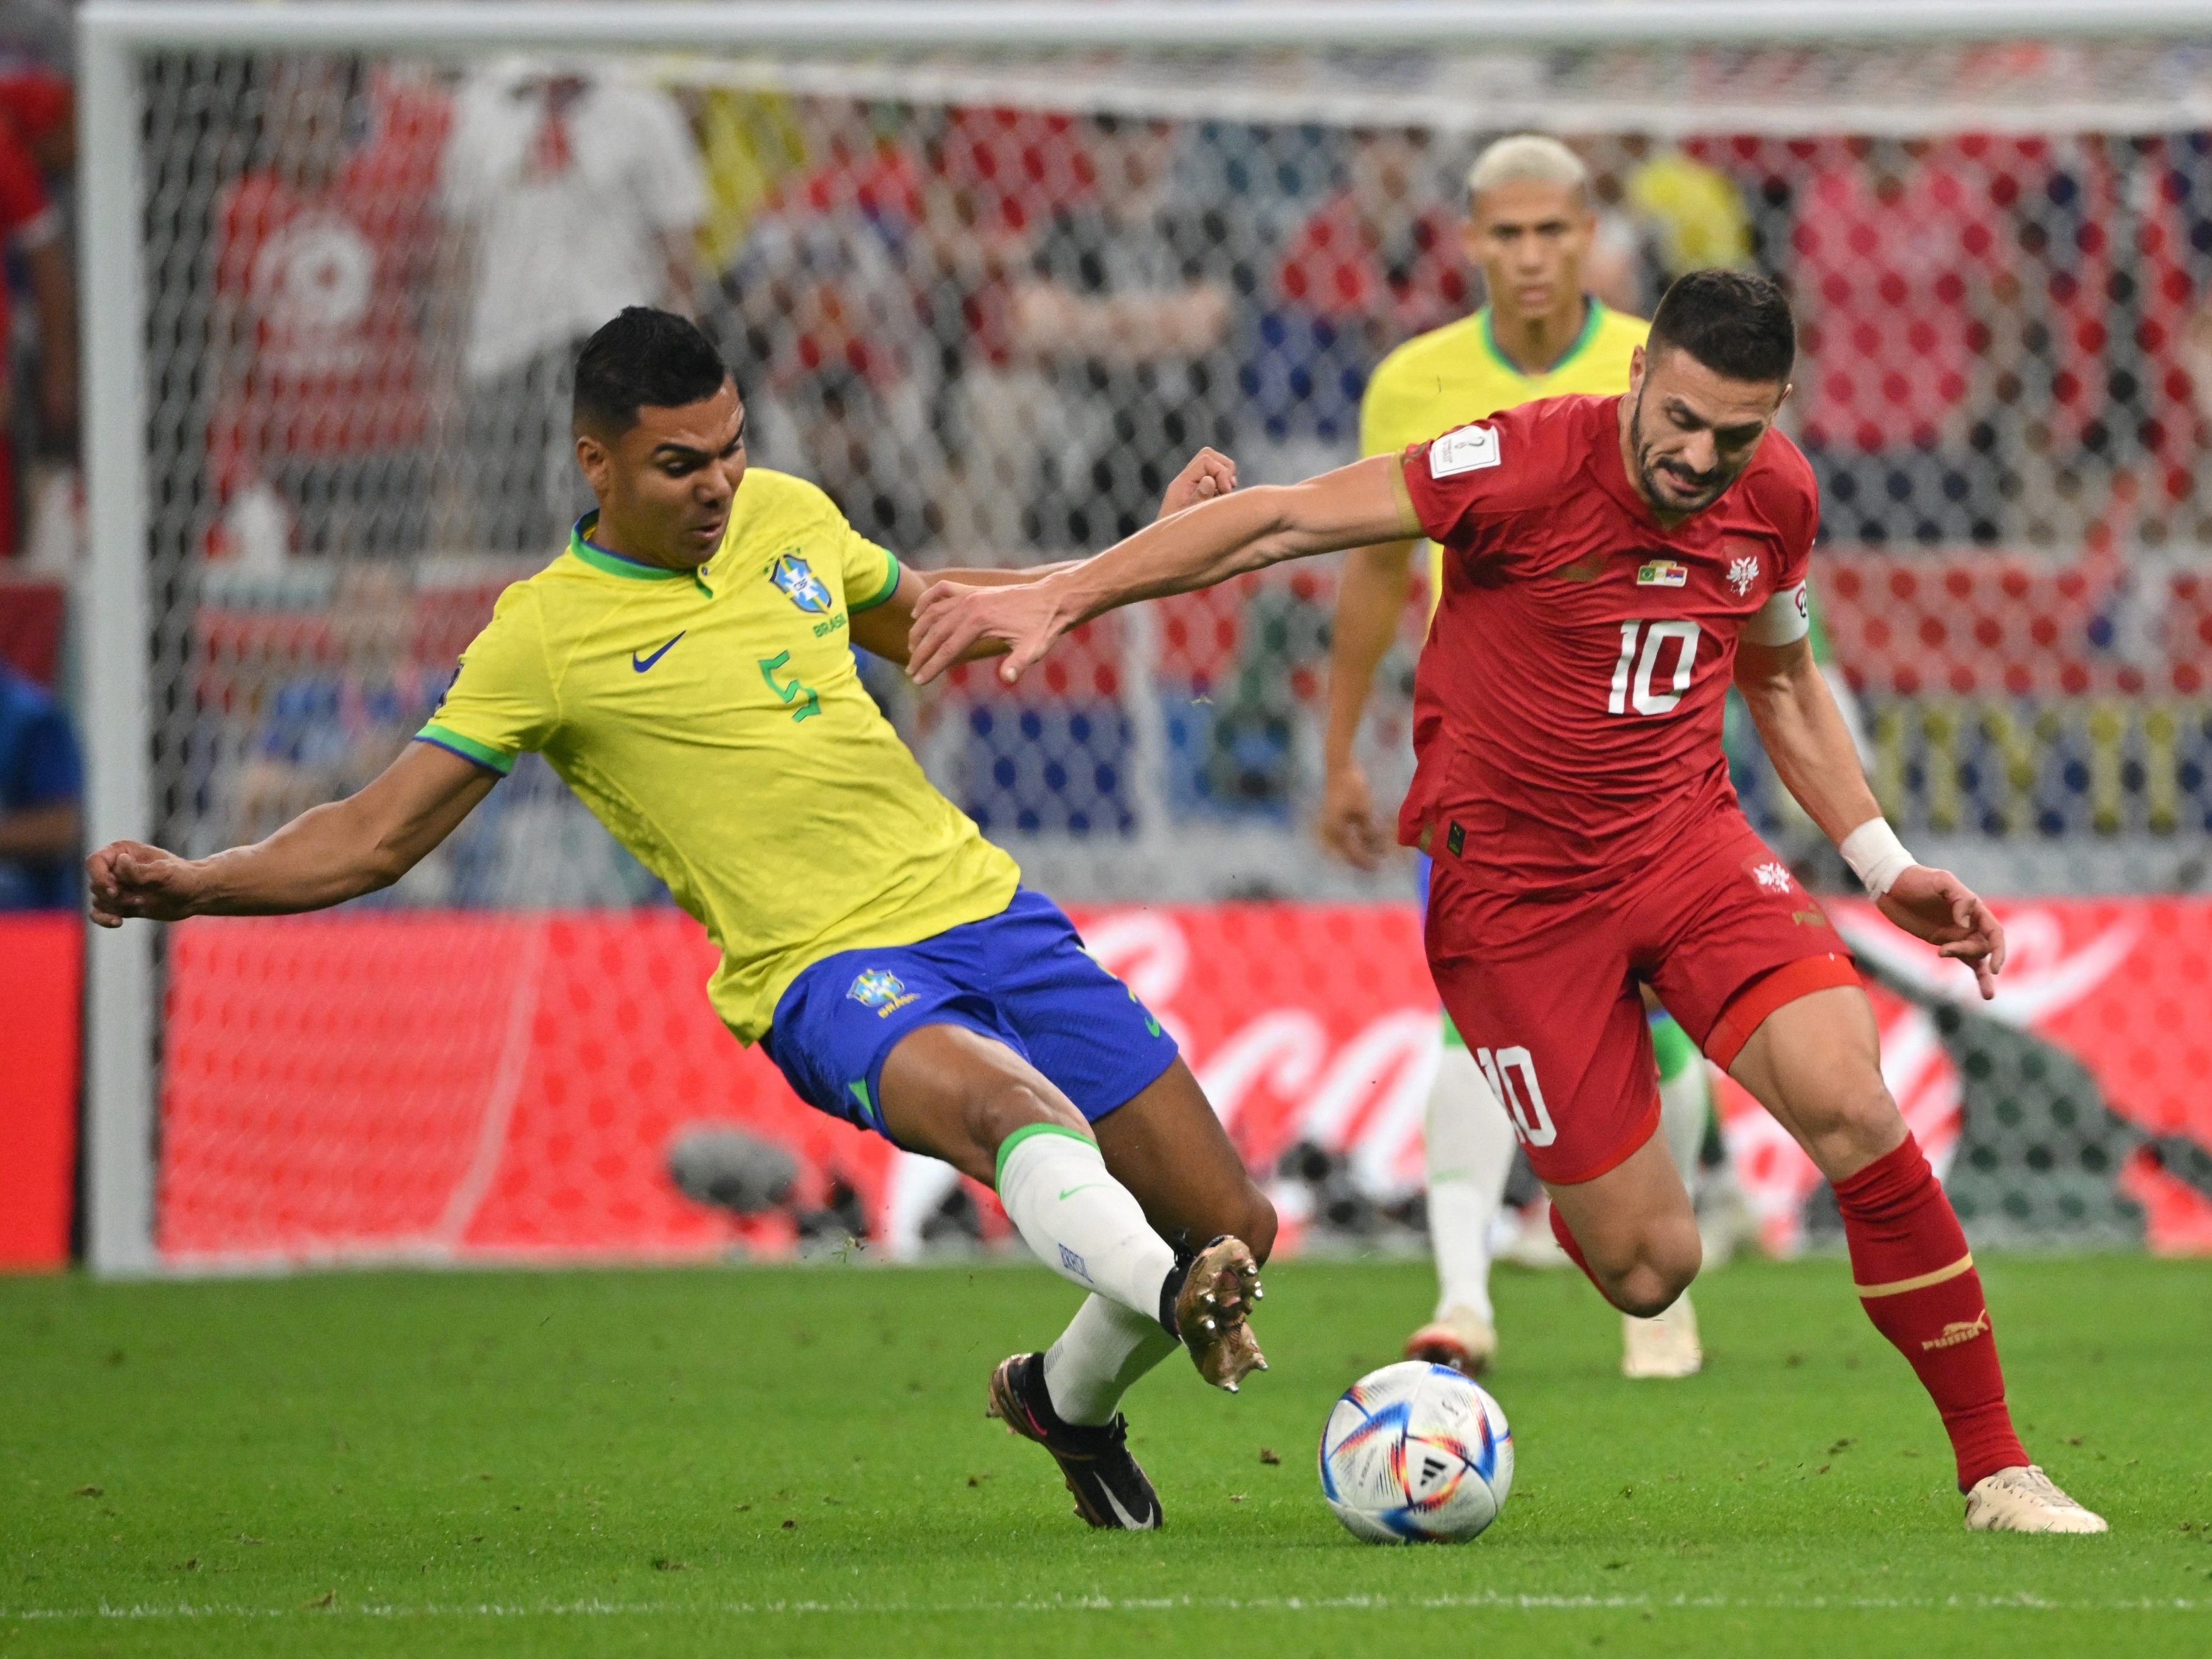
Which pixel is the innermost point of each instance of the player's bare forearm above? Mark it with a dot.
(325, 856)
(886, 630)
(1805, 735)
(1353, 506)
(1370, 598)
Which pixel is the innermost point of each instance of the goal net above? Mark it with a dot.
(990, 296)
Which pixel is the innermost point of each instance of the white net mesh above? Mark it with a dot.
(991, 302)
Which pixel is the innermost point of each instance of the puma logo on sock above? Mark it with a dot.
(1960, 1330)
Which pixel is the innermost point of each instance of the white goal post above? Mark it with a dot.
(115, 609)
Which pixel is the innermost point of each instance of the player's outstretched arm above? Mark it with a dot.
(1352, 506)
(1811, 747)
(1370, 598)
(884, 630)
(323, 857)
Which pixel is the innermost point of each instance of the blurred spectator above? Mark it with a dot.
(41, 33)
(1377, 262)
(580, 194)
(36, 142)
(41, 788)
(1127, 308)
(326, 733)
(324, 248)
(995, 180)
(1694, 212)
(839, 375)
(1903, 267)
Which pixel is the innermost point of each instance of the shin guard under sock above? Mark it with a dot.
(1082, 1223)
(1916, 1282)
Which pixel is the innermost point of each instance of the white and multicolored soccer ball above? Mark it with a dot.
(1416, 1453)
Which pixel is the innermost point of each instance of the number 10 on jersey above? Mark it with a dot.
(1636, 670)
(1512, 1074)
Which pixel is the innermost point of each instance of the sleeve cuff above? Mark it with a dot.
(889, 586)
(482, 754)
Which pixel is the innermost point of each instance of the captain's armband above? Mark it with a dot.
(1784, 619)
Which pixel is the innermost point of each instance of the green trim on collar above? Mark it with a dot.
(890, 587)
(483, 754)
(614, 563)
(1593, 315)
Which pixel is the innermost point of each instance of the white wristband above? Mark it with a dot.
(1877, 858)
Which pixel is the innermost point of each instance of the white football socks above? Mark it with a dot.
(1083, 1224)
(1683, 1100)
(1104, 1350)
(1470, 1154)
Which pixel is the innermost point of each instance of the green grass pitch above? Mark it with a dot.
(795, 1461)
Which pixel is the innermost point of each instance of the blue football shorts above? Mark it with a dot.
(1021, 977)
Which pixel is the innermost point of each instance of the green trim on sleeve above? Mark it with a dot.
(467, 748)
(1007, 1145)
(890, 587)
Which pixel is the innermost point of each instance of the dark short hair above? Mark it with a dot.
(1735, 323)
(643, 358)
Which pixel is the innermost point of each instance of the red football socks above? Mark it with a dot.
(1574, 1250)
(1917, 1281)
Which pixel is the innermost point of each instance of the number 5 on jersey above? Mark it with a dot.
(1512, 1074)
(1633, 675)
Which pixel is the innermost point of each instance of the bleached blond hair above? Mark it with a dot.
(1528, 158)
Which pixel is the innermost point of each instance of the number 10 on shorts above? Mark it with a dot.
(1512, 1074)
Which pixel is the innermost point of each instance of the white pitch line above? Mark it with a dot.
(1112, 1604)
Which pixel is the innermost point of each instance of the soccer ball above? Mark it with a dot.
(1414, 1453)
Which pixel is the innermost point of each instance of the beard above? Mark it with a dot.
(1686, 491)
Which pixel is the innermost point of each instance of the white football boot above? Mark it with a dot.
(2023, 1498)
(1664, 1346)
(1458, 1337)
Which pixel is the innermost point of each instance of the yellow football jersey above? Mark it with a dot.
(716, 724)
(1456, 373)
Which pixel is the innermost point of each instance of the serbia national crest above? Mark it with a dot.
(795, 580)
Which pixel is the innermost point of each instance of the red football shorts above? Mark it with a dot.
(1543, 988)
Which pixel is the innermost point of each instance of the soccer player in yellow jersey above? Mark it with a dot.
(1529, 228)
(686, 665)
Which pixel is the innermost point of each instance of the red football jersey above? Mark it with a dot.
(1567, 708)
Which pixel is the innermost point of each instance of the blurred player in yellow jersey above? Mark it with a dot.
(1529, 229)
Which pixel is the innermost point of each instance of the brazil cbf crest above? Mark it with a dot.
(882, 990)
(795, 580)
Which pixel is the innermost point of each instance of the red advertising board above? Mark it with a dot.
(41, 975)
(507, 1086)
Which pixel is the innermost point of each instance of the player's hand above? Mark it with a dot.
(1936, 906)
(128, 878)
(1206, 475)
(955, 621)
(1347, 824)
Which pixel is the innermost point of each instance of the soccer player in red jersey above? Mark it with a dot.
(1613, 564)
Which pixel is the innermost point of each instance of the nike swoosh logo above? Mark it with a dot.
(1127, 1520)
(641, 666)
(1085, 1188)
